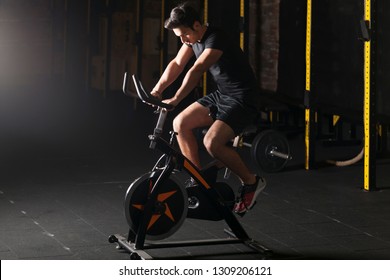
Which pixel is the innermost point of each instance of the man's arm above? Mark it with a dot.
(173, 70)
(191, 79)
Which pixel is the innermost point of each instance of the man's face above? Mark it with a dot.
(188, 35)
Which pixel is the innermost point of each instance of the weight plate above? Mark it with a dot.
(169, 210)
(263, 146)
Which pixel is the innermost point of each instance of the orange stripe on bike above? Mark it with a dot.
(195, 173)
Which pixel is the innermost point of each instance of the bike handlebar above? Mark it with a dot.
(142, 94)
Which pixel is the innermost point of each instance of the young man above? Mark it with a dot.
(227, 111)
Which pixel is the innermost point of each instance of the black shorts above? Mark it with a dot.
(237, 112)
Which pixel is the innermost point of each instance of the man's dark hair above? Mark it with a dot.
(182, 15)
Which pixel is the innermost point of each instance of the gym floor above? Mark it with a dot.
(65, 204)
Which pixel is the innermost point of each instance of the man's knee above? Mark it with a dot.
(211, 144)
(179, 123)
(176, 123)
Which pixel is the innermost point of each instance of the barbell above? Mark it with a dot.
(269, 149)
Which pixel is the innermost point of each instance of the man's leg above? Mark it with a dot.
(194, 116)
(215, 141)
(218, 135)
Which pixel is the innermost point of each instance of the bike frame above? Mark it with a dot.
(174, 159)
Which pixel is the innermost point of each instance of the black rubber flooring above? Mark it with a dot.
(65, 205)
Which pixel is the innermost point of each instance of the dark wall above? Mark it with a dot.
(226, 15)
(45, 106)
(383, 58)
(292, 37)
(337, 55)
(76, 43)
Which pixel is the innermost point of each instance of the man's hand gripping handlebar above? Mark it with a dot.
(142, 94)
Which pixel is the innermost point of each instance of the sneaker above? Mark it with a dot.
(247, 195)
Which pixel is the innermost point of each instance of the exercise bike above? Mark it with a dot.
(157, 203)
